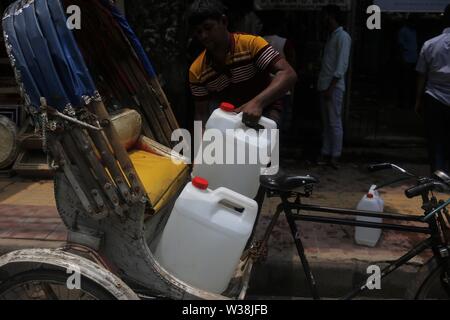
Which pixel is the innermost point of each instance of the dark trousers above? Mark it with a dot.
(437, 119)
(407, 85)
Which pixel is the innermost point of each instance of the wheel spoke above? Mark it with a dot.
(49, 291)
(47, 285)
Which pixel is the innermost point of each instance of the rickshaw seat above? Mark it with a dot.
(161, 177)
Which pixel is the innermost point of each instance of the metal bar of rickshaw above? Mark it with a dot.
(350, 212)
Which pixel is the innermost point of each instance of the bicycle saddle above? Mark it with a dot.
(286, 183)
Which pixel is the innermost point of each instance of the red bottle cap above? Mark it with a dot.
(227, 107)
(200, 183)
(370, 196)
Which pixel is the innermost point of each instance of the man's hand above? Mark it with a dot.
(252, 112)
(328, 94)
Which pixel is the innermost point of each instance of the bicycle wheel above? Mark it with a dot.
(50, 285)
(430, 283)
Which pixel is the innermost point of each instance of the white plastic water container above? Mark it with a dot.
(205, 235)
(373, 202)
(238, 170)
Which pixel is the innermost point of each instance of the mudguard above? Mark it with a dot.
(26, 260)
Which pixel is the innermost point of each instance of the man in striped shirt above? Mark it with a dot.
(235, 68)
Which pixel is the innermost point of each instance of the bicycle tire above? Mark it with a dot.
(427, 283)
(53, 277)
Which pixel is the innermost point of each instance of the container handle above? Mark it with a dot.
(235, 199)
(264, 122)
(268, 123)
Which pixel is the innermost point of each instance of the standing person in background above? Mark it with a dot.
(433, 95)
(331, 85)
(407, 42)
(271, 33)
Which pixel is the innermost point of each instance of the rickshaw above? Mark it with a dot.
(106, 126)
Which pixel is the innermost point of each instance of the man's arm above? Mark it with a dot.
(285, 78)
(344, 49)
(329, 92)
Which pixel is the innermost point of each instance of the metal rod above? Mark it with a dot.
(62, 159)
(139, 193)
(157, 115)
(246, 279)
(391, 216)
(104, 179)
(393, 267)
(157, 89)
(269, 229)
(402, 170)
(312, 284)
(392, 182)
(86, 175)
(56, 113)
(111, 163)
(435, 211)
(371, 225)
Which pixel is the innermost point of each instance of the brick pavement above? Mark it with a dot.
(28, 211)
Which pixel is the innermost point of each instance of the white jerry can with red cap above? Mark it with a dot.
(205, 235)
(244, 151)
(372, 202)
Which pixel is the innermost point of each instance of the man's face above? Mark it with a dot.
(211, 33)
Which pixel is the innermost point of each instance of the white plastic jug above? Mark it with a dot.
(373, 202)
(240, 164)
(205, 235)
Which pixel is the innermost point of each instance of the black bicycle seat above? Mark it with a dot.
(286, 183)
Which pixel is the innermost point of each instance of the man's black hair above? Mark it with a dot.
(447, 16)
(335, 12)
(202, 10)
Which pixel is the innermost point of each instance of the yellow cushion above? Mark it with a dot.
(160, 176)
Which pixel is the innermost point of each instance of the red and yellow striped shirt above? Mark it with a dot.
(244, 76)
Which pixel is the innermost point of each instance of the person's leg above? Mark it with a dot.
(336, 127)
(326, 133)
(403, 85)
(436, 129)
(412, 86)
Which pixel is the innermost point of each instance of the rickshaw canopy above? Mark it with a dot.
(47, 57)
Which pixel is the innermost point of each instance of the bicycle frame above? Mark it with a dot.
(433, 242)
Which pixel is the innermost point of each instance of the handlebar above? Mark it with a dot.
(424, 185)
(379, 167)
(422, 189)
(385, 166)
(419, 190)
